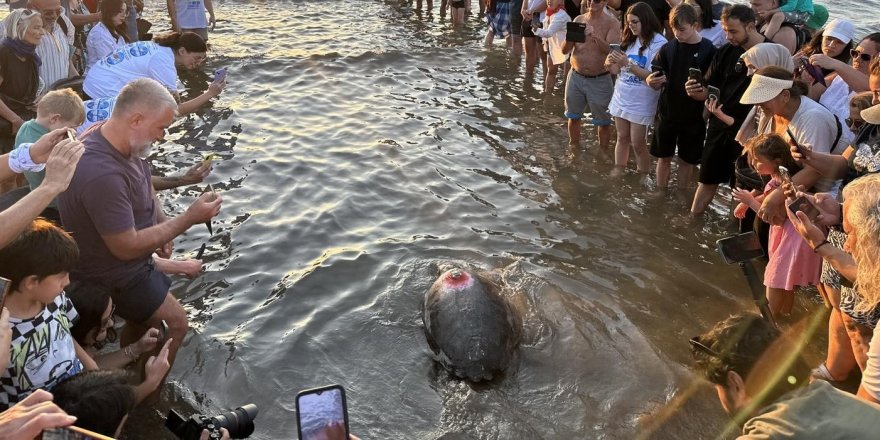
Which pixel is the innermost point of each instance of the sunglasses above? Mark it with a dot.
(852, 123)
(855, 53)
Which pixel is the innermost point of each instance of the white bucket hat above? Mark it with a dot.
(840, 29)
(764, 88)
(871, 115)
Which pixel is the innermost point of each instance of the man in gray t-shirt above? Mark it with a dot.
(111, 210)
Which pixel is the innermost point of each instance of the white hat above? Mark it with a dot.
(871, 115)
(764, 88)
(840, 29)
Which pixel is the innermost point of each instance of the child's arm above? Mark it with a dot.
(154, 371)
(748, 198)
(87, 361)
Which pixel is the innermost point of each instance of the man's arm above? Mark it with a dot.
(133, 243)
(212, 21)
(193, 175)
(172, 14)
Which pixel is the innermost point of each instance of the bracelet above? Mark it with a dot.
(20, 160)
(823, 243)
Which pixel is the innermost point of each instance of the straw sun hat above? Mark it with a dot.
(871, 115)
(763, 89)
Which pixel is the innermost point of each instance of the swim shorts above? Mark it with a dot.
(687, 136)
(719, 154)
(141, 298)
(596, 91)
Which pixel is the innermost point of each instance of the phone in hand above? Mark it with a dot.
(658, 70)
(220, 74)
(72, 433)
(163, 332)
(321, 413)
(695, 74)
(615, 47)
(803, 204)
(5, 285)
(739, 248)
(576, 32)
(813, 71)
(786, 177)
(714, 92)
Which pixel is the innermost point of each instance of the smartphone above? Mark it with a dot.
(740, 248)
(220, 74)
(813, 71)
(657, 69)
(208, 159)
(576, 32)
(803, 204)
(163, 332)
(615, 46)
(786, 177)
(72, 433)
(714, 92)
(5, 285)
(695, 74)
(321, 413)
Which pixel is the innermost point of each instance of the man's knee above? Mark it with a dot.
(174, 315)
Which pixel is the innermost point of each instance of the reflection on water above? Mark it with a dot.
(363, 143)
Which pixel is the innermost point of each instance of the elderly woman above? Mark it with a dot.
(159, 60)
(19, 77)
(109, 34)
(858, 258)
(851, 324)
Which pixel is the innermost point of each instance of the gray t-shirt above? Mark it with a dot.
(110, 193)
(818, 411)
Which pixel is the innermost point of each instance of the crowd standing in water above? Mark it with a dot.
(777, 101)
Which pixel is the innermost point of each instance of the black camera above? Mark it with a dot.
(239, 422)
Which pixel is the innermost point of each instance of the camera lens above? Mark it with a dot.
(239, 422)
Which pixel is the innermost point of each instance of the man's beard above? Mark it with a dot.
(141, 150)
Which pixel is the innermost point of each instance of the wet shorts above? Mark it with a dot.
(141, 298)
(457, 4)
(719, 154)
(596, 91)
(687, 136)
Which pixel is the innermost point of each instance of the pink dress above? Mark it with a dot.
(792, 261)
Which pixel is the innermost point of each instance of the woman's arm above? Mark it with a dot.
(185, 108)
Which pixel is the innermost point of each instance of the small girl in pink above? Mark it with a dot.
(792, 261)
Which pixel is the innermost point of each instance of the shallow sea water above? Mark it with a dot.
(362, 144)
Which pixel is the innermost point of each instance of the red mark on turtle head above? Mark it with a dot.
(457, 278)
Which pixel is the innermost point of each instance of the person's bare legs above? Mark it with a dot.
(603, 132)
(859, 336)
(550, 78)
(516, 45)
(703, 197)
(778, 300)
(574, 133)
(839, 360)
(685, 174)
(457, 16)
(638, 136)
(173, 314)
(490, 37)
(621, 148)
(531, 49)
(664, 165)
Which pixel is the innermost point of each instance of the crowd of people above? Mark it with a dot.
(778, 101)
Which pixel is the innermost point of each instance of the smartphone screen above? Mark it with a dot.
(321, 413)
(740, 247)
(5, 285)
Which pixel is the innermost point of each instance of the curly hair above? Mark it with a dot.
(862, 198)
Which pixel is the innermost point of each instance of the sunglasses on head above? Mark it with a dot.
(855, 53)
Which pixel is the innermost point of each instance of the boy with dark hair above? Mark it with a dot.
(43, 352)
(679, 118)
(100, 400)
(761, 381)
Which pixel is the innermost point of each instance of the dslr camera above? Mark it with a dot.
(239, 422)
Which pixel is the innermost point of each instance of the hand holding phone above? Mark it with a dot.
(321, 413)
(163, 332)
(220, 75)
(714, 92)
(614, 47)
(695, 74)
(802, 204)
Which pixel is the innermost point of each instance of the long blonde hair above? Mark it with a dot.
(862, 197)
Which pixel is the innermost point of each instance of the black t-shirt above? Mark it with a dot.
(675, 105)
(660, 7)
(572, 9)
(732, 84)
(20, 82)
